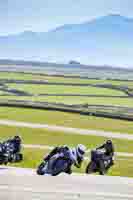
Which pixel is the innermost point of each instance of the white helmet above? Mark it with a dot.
(80, 150)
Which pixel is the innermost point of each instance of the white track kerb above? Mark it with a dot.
(23, 184)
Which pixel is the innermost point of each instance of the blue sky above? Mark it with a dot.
(43, 15)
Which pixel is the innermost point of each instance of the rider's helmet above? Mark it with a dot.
(17, 138)
(109, 142)
(80, 150)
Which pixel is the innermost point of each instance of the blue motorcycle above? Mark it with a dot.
(56, 165)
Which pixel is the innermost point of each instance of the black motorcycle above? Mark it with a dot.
(98, 163)
(13, 157)
(3, 156)
(56, 165)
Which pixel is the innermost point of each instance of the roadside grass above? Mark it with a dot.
(71, 100)
(26, 76)
(33, 157)
(54, 138)
(66, 119)
(19, 76)
(63, 89)
(122, 167)
(1, 92)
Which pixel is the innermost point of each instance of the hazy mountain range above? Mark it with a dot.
(107, 40)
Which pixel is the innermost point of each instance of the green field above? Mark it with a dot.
(54, 90)
(127, 102)
(22, 76)
(32, 157)
(60, 89)
(66, 119)
(53, 138)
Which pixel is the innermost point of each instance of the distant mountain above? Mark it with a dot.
(103, 41)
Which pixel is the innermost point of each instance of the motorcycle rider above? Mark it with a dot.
(109, 151)
(15, 142)
(3, 156)
(76, 155)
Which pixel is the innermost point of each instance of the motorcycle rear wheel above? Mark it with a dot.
(91, 167)
(102, 169)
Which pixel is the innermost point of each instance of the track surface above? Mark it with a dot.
(67, 130)
(24, 184)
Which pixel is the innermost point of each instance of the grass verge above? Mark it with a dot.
(32, 158)
(28, 76)
(61, 89)
(45, 137)
(66, 119)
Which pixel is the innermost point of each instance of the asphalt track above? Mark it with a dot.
(67, 130)
(24, 184)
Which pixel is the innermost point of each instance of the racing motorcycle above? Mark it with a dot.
(3, 155)
(10, 155)
(56, 165)
(98, 163)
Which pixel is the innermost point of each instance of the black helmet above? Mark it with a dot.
(17, 138)
(109, 142)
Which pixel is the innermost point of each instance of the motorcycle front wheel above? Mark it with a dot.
(40, 168)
